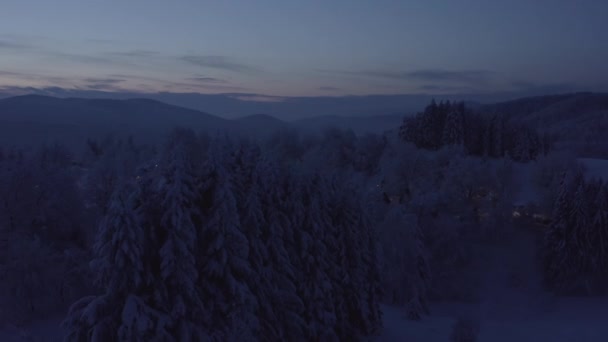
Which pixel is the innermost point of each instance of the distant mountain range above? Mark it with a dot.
(34, 119)
(236, 105)
(573, 117)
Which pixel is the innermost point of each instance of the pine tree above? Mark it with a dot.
(488, 138)
(255, 227)
(405, 269)
(357, 274)
(560, 248)
(498, 130)
(431, 126)
(224, 250)
(178, 264)
(124, 311)
(313, 238)
(599, 232)
(278, 205)
(473, 134)
(453, 133)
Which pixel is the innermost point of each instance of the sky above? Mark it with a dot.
(305, 48)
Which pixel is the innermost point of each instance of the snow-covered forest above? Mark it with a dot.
(299, 237)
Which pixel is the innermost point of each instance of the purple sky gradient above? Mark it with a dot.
(305, 48)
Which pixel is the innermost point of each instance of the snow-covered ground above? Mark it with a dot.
(48, 330)
(527, 192)
(595, 168)
(513, 307)
(569, 320)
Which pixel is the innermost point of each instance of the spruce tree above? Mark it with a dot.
(125, 310)
(223, 255)
(177, 249)
(453, 132)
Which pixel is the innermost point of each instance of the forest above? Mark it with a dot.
(294, 237)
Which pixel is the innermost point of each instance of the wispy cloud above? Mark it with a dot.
(99, 41)
(39, 47)
(447, 89)
(104, 80)
(259, 98)
(11, 74)
(426, 75)
(85, 59)
(206, 80)
(219, 62)
(544, 88)
(447, 75)
(103, 83)
(329, 88)
(136, 53)
(13, 45)
(35, 77)
(202, 86)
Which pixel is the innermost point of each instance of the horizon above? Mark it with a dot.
(238, 105)
(280, 50)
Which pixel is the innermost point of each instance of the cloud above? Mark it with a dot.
(328, 88)
(85, 59)
(259, 98)
(11, 73)
(432, 75)
(219, 62)
(99, 41)
(136, 53)
(202, 86)
(12, 45)
(206, 80)
(103, 83)
(465, 76)
(34, 77)
(104, 80)
(38, 47)
(447, 89)
(544, 88)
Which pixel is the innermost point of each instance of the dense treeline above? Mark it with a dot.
(447, 124)
(217, 243)
(575, 248)
(297, 229)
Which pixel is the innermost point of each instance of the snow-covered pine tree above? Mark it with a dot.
(408, 131)
(179, 238)
(557, 247)
(284, 304)
(431, 126)
(601, 222)
(473, 133)
(367, 275)
(124, 310)
(356, 276)
(229, 303)
(453, 132)
(488, 138)
(578, 246)
(498, 131)
(373, 287)
(255, 227)
(405, 268)
(599, 237)
(313, 237)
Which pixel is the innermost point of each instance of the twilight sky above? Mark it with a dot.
(305, 48)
